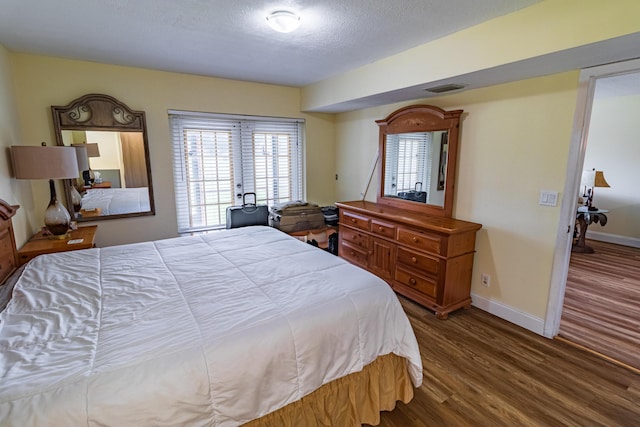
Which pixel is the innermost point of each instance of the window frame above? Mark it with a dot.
(288, 132)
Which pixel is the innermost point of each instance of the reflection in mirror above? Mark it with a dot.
(415, 166)
(114, 182)
(114, 176)
(419, 146)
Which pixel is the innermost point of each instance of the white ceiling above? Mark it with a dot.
(231, 38)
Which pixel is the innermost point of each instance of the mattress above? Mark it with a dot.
(215, 329)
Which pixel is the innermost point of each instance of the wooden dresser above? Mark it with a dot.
(428, 259)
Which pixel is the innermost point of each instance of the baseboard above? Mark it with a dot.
(503, 311)
(633, 242)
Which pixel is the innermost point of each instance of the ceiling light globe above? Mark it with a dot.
(283, 21)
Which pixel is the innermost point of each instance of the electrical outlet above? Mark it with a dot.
(485, 279)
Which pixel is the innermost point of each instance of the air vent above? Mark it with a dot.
(445, 88)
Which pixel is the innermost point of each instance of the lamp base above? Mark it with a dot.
(56, 217)
(76, 198)
(52, 236)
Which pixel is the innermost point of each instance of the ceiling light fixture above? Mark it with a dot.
(283, 21)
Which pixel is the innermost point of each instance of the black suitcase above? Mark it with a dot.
(248, 213)
(416, 195)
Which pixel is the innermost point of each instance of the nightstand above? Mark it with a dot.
(104, 184)
(41, 244)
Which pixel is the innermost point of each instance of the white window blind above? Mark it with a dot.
(217, 158)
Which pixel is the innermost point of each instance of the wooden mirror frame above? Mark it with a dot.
(421, 118)
(98, 112)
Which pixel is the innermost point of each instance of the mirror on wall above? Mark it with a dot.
(419, 148)
(114, 173)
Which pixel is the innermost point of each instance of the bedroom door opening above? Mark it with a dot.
(589, 79)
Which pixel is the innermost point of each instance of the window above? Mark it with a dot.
(217, 158)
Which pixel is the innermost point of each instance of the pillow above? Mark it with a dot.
(6, 290)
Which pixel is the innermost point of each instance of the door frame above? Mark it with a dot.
(575, 162)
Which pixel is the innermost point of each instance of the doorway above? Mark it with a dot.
(592, 82)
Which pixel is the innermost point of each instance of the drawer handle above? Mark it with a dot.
(414, 259)
(353, 253)
(353, 220)
(380, 229)
(415, 239)
(412, 281)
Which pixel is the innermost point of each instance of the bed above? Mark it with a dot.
(246, 325)
(116, 201)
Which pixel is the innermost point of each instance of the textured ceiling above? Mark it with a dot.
(231, 39)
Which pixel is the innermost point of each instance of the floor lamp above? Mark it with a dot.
(42, 162)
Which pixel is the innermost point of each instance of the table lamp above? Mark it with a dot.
(42, 162)
(590, 180)
(83, 164)
(93, 150)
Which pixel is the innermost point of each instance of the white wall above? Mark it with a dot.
(613, 147)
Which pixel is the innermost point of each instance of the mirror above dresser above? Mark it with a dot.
(419, 146)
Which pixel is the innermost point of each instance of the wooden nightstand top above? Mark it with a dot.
(40, 244)
(104, 184)
(88, 214)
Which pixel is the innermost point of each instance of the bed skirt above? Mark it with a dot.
(349, 401)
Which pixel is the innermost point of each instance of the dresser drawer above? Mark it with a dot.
(354, 220)
(423, 284)
(423, 263)
(383, 229)
(423, 241)
(355, 238)
(353, 254)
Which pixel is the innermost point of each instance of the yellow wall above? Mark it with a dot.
(44, 81)
(514, 142)
(12, 190)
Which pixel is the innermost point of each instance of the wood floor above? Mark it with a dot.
(602, 302)
(480, 370)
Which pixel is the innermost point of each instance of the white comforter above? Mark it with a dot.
(215, 329)
(115, 201)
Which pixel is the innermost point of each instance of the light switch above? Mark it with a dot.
(549, 198)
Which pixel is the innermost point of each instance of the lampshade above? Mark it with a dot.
(42, 162)
(83, 158)
(588, 179)
(93, 150)
(593, 178)
(283, 21)
(599, 180)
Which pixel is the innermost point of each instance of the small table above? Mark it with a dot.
(583, 219)
(41, 244)
(320, 235)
